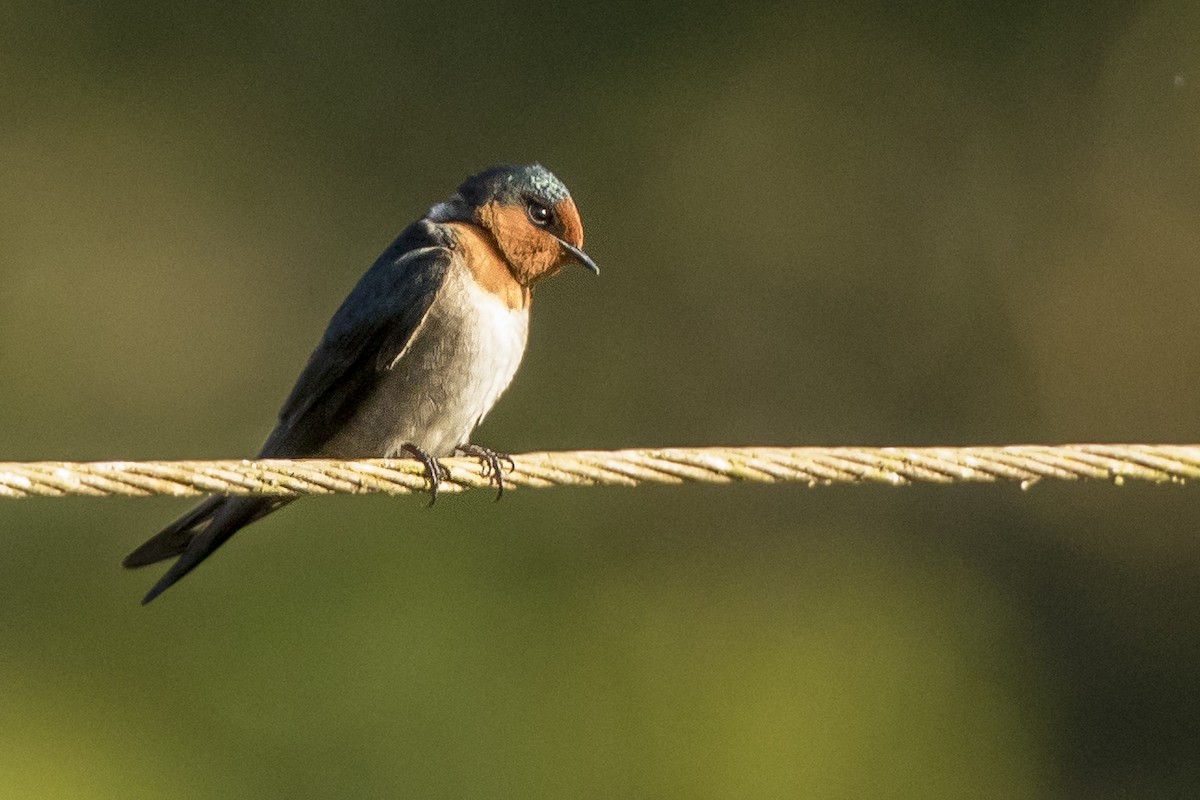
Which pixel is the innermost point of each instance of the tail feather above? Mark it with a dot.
(197, 534)
(172, 540)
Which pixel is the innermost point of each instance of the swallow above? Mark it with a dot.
(417, 354)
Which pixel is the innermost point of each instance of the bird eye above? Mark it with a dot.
(540, 214)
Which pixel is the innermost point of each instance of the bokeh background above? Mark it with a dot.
(951, 223)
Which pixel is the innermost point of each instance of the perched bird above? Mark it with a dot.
(418, 352)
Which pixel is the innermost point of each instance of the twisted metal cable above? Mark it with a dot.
(814, 466)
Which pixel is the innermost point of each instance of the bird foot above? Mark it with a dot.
(435, 471)
(491, 463)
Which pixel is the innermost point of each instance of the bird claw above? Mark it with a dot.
(435, 471)
(490, 464)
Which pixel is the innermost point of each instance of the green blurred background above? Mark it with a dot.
(818, 223)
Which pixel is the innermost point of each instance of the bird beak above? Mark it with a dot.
(581, 258)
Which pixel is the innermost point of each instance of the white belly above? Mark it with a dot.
(459, 363)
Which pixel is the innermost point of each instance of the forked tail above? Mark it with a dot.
(197, 534)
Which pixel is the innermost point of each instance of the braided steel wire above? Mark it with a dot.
(814, 466)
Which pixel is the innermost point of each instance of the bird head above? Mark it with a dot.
(530, 215)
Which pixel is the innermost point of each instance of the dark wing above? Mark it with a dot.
(366, 334)
(371, 328)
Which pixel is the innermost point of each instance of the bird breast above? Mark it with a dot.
(457, 365)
